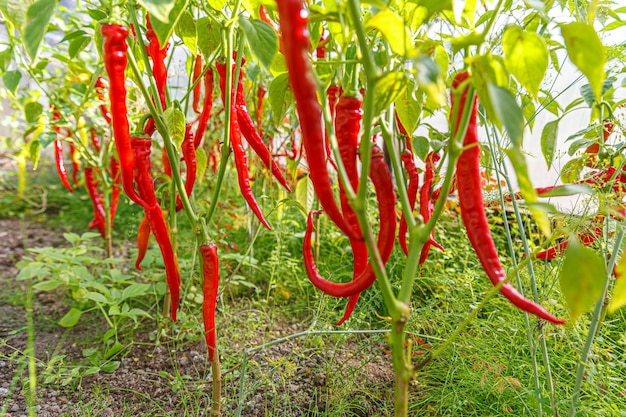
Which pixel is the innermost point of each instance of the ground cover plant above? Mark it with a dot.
(274, 285)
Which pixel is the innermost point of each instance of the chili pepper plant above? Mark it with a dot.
(341, 98)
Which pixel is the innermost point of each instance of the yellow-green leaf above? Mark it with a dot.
(305, 194)
(71, 318)
(158, 8)
(582, 278)
(165, 28)
(175, 120)
(619, 291)
(526, 56)
(586, 51)
(186, 30)
(395, 31)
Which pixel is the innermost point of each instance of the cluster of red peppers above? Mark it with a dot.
(347, 115)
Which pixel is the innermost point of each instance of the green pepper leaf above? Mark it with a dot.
(619, 291)
(186, 30)
(548, 141)
(279, 97)
(71, 318)
(261, 38)
(175, 120)
(586, 51)
(165, 27)
(392, 27)
(11, 80)
(508, 112)
(526, 56)
(159, 8)
(37, 18)
(209, 37)
(582, 278)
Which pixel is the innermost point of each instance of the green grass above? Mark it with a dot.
(487, 371)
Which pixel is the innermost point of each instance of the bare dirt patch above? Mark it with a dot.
(298, 377)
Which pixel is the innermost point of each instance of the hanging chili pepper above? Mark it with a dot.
(347, 126)
(427, 204)
(293, 26)
(409, 165)
(96, 200)
(197, 71)
(158, 55)
(210, 272)
(246, 126)
(115, 61)
(473, 211)
(143, 237)
(206, 108)
(152, 210)
(60, 164)
(386, 198)
(260, 95)
(99, 87)
(189, 156)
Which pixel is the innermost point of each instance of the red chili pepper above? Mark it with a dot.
(96, 201)
(206, 107)
(293, 25)
(145, 185)
(99, 87)
(197, 71)
(210, 272)
(409, 165)
(60, 164)
(347, 126)
(427, 204)
(241, 164)
(115, 60)
(143, 237)
(189, 156)
(260, 95)
(386, 198)
(246, 126)
(158, 55)
(473, 210)
(320, 51)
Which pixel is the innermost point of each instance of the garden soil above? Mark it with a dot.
(169, 379)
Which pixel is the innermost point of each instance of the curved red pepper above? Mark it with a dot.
(60, 164)
(427, 204)
(158, 55)
(260, 96)
(246, 126)
(473, 210)
(143, 237)
(347, 125)
(206, 107)
(75, 167)
(99, 213)
(210, 272)
(409, 165)
(115, 61)
(114, 172)
(331, 96)
(99, 87)
(386, 198)
(145, 185)
(293, 26)
(189, 156)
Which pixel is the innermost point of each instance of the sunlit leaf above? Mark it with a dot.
(586, 52)
(165, 27)
(409, 108)
(509, 113)
(549, 135)
(175, 120)
(159, 8)
(209, 38)
(305, 194)
(618, 300)
(279, 97)
(186, 30)
(526, 56)
(395, 32)
(582, 278)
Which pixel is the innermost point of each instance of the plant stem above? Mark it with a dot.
(593, 325)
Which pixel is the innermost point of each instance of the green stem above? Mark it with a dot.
(593, 325)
